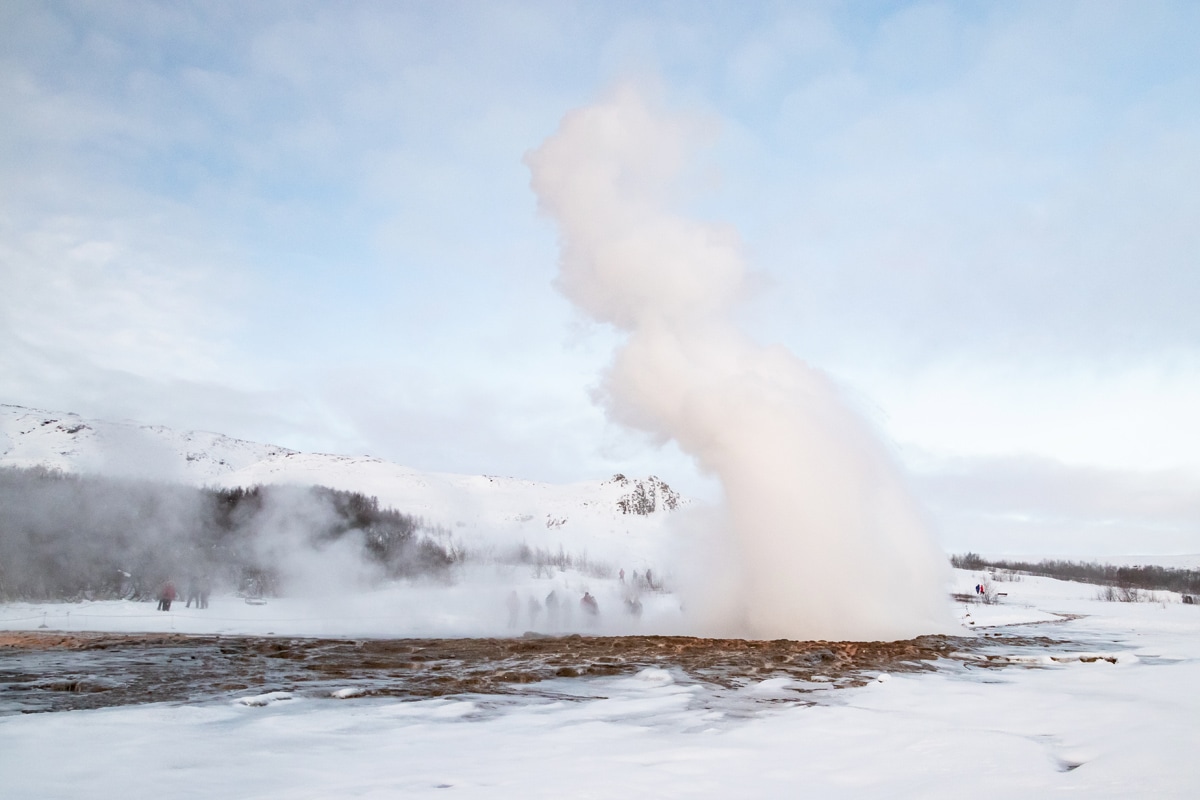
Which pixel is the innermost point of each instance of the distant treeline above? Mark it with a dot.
(66, 536)
(1152, 578)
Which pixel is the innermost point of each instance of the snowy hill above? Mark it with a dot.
(611, 518)
(65, 441)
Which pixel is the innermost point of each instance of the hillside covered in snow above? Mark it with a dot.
(616, 518)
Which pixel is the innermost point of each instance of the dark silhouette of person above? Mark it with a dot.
(591, 609)
(514, 608)
(552, 611)
(535, 610)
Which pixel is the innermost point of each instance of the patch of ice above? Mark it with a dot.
(770, 686)
(1093, 658)
(654, 676)
(260, 700)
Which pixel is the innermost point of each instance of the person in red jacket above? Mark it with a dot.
(165, 596)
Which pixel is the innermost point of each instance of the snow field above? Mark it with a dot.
(1039, 732)
(1065, 726)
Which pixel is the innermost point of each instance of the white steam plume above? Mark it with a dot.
(825, 540)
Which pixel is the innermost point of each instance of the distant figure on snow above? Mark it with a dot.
(165, 596)
(552, 621)
(535, 610)
(205, 590)
(514, 608)
(193, 592)
(591, 609)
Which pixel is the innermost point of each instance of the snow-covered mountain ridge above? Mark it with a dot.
(65, 441)
(602, 516)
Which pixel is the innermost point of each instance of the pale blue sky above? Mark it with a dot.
(310, 224)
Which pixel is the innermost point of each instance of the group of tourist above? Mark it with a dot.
(198, 590)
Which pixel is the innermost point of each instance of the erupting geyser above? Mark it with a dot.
(823, 539)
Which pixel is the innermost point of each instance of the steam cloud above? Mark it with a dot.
(820, 538)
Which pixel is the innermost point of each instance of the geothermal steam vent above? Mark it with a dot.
(820, 537)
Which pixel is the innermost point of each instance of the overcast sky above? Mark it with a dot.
(310, 224)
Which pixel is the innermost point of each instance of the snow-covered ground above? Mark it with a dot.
(1057, 722)
(475, 603)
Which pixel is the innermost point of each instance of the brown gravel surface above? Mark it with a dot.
(49, 671)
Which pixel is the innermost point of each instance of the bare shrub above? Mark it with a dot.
(989, 596)
(1149, 577)
(545, 561)
(971, 561)
(1125, 594)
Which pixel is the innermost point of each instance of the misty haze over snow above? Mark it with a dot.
(595, 516)
(107, 511)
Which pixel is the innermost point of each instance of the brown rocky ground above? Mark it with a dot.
(46, 671)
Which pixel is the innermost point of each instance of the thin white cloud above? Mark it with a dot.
(1139, 416)
(127, 304)
(1039, 505)
(1020, 201)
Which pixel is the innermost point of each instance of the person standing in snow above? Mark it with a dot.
(552, 611)
(165, 596)
(535, 610)
(205, 590)
(514, 608)
(591, 609)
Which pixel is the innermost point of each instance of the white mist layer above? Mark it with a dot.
(820, 539)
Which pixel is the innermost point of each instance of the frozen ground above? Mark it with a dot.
(1106, 708)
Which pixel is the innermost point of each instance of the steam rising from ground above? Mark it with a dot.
(820, 538)
(70, 537)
